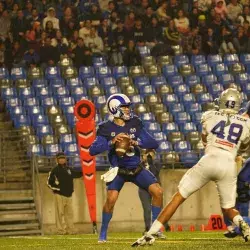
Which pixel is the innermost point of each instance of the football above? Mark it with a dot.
(122, 146)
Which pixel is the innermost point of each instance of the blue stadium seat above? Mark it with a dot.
(103, 71)
(100, 101)
(106, 82)
(86, 71)
(43, 130)
(159, 136)
(188, 98)
(90, 82)
(33, 110)
(242, 78)
(21, 120)
(209, 79)
(112, 90)
(99, 61)
(248, 68)
(36, 149)
(226, 79)
(52, 149)
(68, 110)
(169, 99)
(220, 69)
(230, 59)
(147, 90)
(182, 146)
(182, 117)
(245, 59)
(98, 118)
(164, 147)
(17, 110)
(141, 81)
(181, 60)
(170, 127)
(144, 50)
(181, 90)
(74, 82)
(136, 99)
(12, 102)
(198, 59)
(38, 83)
(31, 101)
(48, 101)
(193, 108)
(18, 73)
(25, 93)
(187, 127)
(75, 162)
(120, 71)
(152, 127)
(8, 93)
(169, 70)
(61, 92)
(203, 69)
(71, 149)
(196, 117)
(244, 97)
(192, 80)
(246, 88)
(176, 107)
(214, 59)
(4, 73)
(67, 139)
(43, 92)
(52, 73)
(189, 158)
(78, 92)
(204, 98)
(175, 80)
(56, 83)
(215, 90)
(158, 80)
(66, 101)
(147, 117)
(71, 120)
(39, 120)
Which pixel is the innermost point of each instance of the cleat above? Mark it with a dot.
(144, 240)
(245, 230)
(102, 241)
(159, 235)
(231, 234)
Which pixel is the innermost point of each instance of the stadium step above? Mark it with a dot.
(15, 194)
(21, 232)
(24, 226)
(23, 185)
(6, 125)
(17, 206)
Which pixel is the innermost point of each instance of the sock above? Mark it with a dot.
(227, 221)
(237, 220)
(155, 228)
(106, 217)
(155, 212)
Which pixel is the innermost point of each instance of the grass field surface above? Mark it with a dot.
(119, 241)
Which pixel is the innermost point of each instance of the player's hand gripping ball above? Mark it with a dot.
(122, 145)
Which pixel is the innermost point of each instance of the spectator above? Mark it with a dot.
(73, 41)
(60, 181)
(225, 42)
(246, 28)
(120, 36)
(48, 54)
(114, 19)
(193, 18)
(85, 5)
(31, 58)
(216, 25)
(19, 26)
(94, 42)
(172, 35)
(192, 42)
(5, 23)
(126, 8)
(234, 10)
(115, 55)
(14, 11)
(245, 15)
(173, 8)
(162, 13)
(42, 6)
(182, 22)
(81, 55)
(221, 9)
(85, 29)
(138, 32)
(60, 43)
(131, 55)
(129, 21)
(28, 10)
(111, 8)
(9, 4)
(94, 15)
(209, 43)
(240, 41)
(154, 33)
(155, 4)
(51, 32)
(34, 17)
(51, 16)
(105, 32)
(70, 28)
(141, 9)
(147, 17)
(202, 25)
(204, 5)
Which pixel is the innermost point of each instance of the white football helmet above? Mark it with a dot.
(230, 101)
(114, 104)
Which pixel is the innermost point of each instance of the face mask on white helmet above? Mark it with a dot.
(115, 105)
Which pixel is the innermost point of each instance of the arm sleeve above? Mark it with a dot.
(100, 145)
(76, 174)
(51, 181)
(145, 140)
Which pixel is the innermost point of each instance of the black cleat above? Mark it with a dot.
(230, 234)
(144, 240)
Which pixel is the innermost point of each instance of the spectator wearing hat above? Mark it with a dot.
(202, 24)
(60, 181)
(51, 16)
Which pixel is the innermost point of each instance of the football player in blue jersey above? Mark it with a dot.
(127, 168)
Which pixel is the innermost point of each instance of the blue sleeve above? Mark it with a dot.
(244, 174)
(100, 145)
(146, 140)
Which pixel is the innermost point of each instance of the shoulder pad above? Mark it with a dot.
(102, 128)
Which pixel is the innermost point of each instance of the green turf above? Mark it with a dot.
(119, 241)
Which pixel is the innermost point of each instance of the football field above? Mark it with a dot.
(118, 241)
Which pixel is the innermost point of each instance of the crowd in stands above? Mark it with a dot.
(40, 32)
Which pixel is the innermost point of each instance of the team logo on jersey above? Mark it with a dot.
(132, 130)
(112, 133)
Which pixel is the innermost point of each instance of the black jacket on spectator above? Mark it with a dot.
(131, 57)
(154, 33)
(61, 180)
(48, 53)
(119, 35)
(18, 26)
(138, 34)
(80, 58)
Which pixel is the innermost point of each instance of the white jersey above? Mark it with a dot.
(225, 131)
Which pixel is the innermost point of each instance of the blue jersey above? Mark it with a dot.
(107, 130)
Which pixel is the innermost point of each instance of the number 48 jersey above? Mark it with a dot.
(225, 131)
